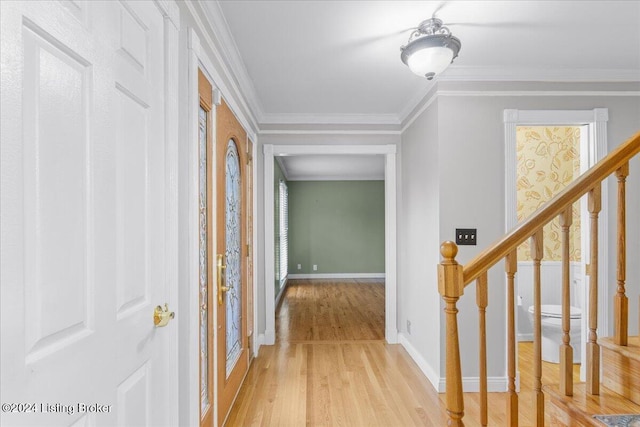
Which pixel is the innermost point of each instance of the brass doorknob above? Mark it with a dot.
(161, 316)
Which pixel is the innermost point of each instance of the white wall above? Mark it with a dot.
(470, 193)
(472, 196)
(419, 241)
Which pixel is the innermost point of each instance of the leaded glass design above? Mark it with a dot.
(204, 310)
(232, 255)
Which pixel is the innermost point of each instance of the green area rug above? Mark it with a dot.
(619, 420)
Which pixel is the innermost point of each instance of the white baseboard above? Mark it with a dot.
(472, 384)
(269, 338)
(469, 384)
(424, 366)
(391, 336)
(338, 276)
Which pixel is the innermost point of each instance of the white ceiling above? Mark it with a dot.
(339, 61)
(333, 167)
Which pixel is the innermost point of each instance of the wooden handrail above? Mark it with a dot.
(605, 167)
(453, 278)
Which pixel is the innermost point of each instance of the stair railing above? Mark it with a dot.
(453, 278)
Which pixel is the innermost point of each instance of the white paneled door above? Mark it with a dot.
(87, 215)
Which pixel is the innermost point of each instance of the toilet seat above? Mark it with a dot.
(555, 311)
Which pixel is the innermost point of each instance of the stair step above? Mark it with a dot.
(631, 351)
(621, 367)
(578, 410)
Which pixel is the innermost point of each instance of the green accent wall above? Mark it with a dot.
(277, 177)
(337, 225)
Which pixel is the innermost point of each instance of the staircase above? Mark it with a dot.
(619, 394)
(622, 368)
(614, 391)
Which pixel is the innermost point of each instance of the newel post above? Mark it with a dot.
(451, 287)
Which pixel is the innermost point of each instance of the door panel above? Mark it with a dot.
(232, 356)
(56, 196)
(83, 213)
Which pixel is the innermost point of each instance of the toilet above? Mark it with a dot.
(552, 332)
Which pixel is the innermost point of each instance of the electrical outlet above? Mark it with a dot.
(409, 327)
(466, 236)
(315, 267)
(299, 266)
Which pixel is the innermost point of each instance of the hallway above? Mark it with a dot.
(326, 370)
(326, 310)
(331, 366)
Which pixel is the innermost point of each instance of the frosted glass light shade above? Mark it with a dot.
(430, 55)
(430, 61)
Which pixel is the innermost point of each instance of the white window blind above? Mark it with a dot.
(284, 234)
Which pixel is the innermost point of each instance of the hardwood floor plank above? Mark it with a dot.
(330, 366)
(330, 310)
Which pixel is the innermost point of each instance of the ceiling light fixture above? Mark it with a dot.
(430, 49)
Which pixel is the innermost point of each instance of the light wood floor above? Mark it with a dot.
(326, 310)
(323, 372)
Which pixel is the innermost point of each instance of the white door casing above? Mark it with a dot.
(389, 151)
(88, 212)
(593, 148)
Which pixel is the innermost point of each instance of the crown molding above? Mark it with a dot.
(331, 119)
(329, 132)
(417, 99)
(423, 98)
(338, 177)
(283, 168)
(231, 55)
(419, 108)
(538, 92)
(170, 11)
(218, 69)
(432, 96)
(298, 150)
(504, 74)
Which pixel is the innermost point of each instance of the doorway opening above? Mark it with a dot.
(545, 150)
(548, 160)
(388, 152)
(329, 247)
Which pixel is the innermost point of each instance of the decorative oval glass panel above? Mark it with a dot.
(233, 256)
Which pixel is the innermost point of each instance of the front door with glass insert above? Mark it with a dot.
(232, 356)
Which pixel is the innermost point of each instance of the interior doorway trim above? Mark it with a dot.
(389, 151)
(596, 122)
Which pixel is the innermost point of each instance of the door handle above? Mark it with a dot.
(161, 316)
(221, 277)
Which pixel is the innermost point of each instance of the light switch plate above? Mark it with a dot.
(466, 236)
